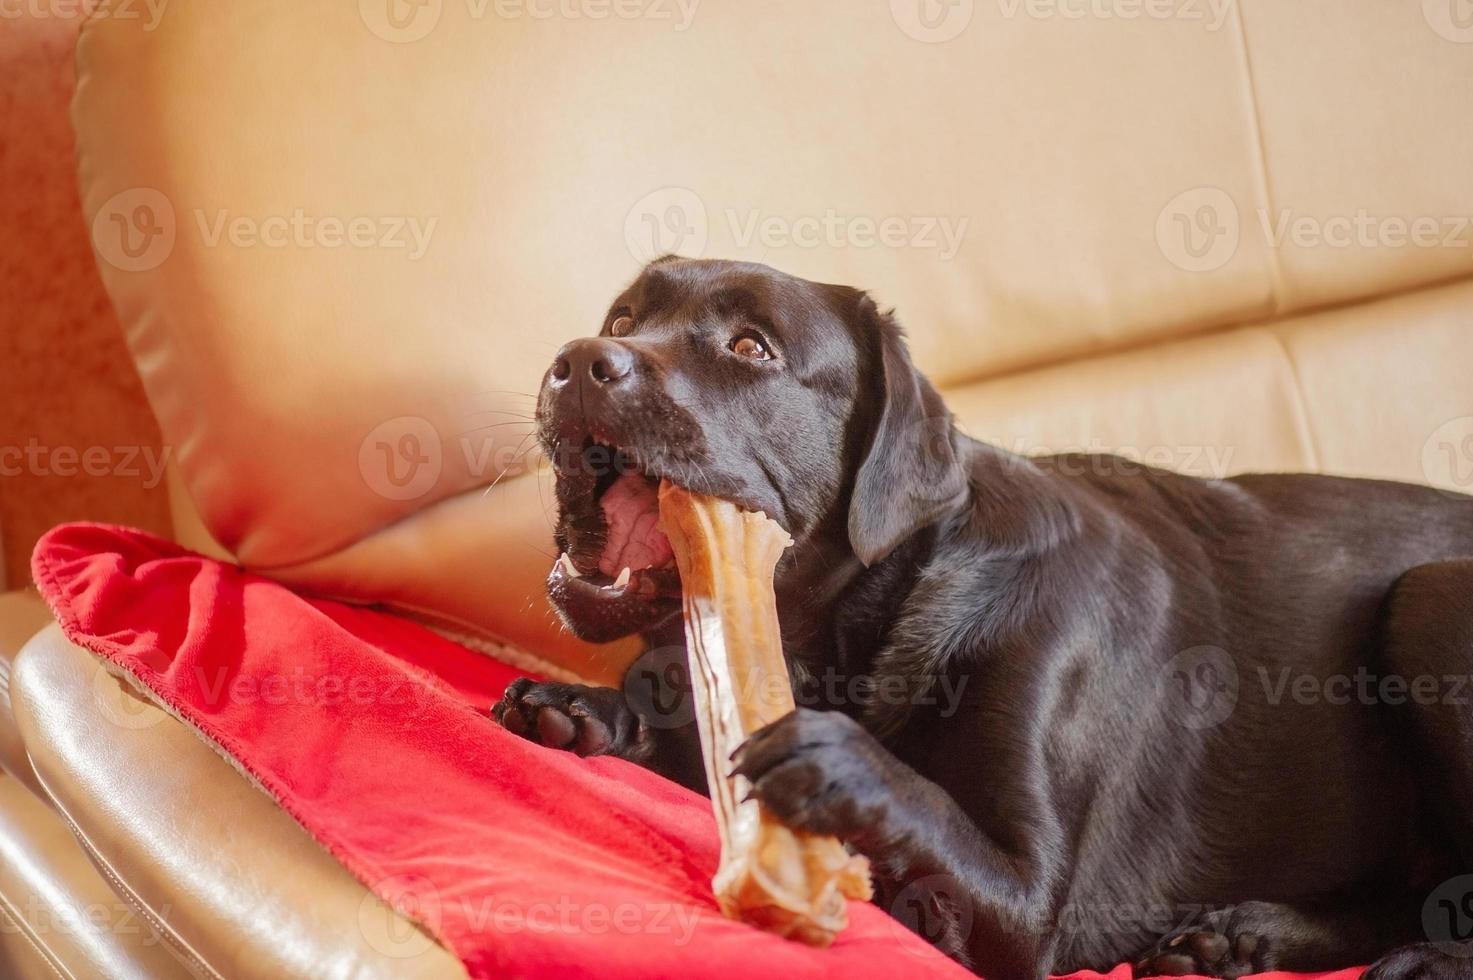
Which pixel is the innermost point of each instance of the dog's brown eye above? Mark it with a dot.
(750, 345)
(622, 326)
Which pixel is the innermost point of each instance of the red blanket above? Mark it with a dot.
(372, 732)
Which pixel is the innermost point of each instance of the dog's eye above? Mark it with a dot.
(750, 345)
(622, 326)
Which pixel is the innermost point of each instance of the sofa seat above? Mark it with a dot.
(215, 879)
(22, 615)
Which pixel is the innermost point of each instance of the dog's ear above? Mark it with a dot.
(909, 474)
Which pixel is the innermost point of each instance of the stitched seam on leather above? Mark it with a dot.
(1278, 284)
(23, 928)
(1153, 341)
(126, 892)
(1301, 403)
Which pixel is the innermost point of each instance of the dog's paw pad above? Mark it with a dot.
(584, 720)
(1205, 951)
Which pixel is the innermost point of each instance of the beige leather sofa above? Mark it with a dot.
(344, 241)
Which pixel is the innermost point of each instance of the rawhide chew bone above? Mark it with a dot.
(777, 879)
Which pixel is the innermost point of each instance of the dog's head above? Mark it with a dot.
(734, 380)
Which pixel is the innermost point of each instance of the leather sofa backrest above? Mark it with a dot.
(345, 239)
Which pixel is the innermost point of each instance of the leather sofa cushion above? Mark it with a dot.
(22, 615)
(236, 885)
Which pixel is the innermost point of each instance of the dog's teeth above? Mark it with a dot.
(623, 578)
(567, 564)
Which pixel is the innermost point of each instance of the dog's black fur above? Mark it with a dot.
(1073, 725)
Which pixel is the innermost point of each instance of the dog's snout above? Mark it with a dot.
(604, 360)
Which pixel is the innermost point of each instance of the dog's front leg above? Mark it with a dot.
(820, 771)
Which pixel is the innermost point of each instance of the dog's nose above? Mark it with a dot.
(604, 360)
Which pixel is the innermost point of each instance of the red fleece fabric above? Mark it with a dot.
(373, 733)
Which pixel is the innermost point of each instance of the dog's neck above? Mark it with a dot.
(846, 632)
(839, 626)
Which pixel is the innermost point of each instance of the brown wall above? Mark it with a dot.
(76, 434)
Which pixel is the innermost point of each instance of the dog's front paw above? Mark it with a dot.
(820, 772)
(1220, 946)
(585, 720)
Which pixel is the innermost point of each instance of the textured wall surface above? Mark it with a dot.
(77, 439)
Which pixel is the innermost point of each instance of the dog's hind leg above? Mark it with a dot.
(1428, 641)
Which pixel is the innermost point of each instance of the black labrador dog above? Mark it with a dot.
(1074, 709)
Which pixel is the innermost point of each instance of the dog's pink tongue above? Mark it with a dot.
(632, 509)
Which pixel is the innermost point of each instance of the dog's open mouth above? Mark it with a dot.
(617, 575)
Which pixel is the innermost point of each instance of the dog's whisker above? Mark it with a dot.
(518, 453)
(494, 425)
